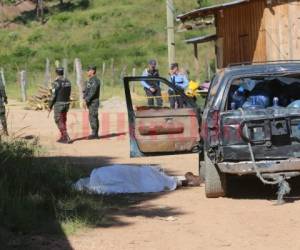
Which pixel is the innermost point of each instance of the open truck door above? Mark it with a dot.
(156, 127)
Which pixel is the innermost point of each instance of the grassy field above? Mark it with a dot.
(125, 32)
(37, 195)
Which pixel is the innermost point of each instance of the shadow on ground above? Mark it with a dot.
(94, 211)
(107, 136)
(250, 187)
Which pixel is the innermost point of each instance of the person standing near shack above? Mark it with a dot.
(152, 88)
(3, 101)
(91, 96)
(180, 81)
(60, 102)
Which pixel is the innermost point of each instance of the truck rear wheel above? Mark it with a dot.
(215, 181)
(202, 166)
(202, 169)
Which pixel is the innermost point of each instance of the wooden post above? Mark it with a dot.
(65, 66)
(79, 80)
(207, 67)
(133, 83)
(102, 80)
(170, 31)
(23, 83)
(112, 67)
(123, 72)
(196, 60)
(103, 71)
(47, 73)
(2, 77)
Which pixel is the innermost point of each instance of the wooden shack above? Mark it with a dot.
(252, 30)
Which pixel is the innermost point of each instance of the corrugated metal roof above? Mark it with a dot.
(202, 39)
(209, 10)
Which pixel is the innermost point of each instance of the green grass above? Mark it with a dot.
(122, 30)
(37, 194)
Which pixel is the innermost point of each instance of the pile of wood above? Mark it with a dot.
(40, 101)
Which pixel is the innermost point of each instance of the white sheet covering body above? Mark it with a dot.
(121, 179)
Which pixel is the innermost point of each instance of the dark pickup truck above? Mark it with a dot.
(250, 123)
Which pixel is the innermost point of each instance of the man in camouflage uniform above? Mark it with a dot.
(60, 102)
(91, 96)
(3, 101)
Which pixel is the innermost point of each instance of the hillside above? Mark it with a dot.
(125, 32)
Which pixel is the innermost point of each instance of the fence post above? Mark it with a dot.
(133, 83)
(23, 83)
(207, 67)
(47, 73)
(102, 80)
(2, 77)
(112, 72)
(65, 66)
(78, 72)
(123, 73)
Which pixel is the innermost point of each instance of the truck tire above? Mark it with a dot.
(201, 166)
(215, 181)
(202, 170)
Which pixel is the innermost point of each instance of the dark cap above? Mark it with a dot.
(152, 62)
(174, 65)
(92, 67)
(59, 71)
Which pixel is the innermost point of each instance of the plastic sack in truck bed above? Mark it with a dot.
(121, 179)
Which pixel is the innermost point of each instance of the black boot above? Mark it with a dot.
(93, 137)
(4, 127)
(65, 139)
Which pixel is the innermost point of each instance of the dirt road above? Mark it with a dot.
(183, 219)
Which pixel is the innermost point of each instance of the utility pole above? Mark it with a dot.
(171, 31)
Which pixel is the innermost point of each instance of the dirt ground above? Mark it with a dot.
(183, 219)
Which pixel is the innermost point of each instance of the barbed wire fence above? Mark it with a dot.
(23, 82)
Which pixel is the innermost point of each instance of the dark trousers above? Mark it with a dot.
(60, 118)
(156, 95)
(175, 99)
(93, 107)
(3, 120)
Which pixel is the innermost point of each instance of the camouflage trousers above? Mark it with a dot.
(3, 121)
(93, 116)
(60, 117)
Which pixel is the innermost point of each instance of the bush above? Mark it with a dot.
(81, 21)
(96, 16)
(23, 51)
(35, 37)
(62, 18)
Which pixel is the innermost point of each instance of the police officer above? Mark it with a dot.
(3, 101)
(152, 88)
(91, 96)
(179, 80)
(60, 102)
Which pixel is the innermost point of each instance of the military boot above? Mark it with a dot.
(93, 137)
(65, 139)
(4, 127)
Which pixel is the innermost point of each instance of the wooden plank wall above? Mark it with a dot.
(242, 30)
(282, 29)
